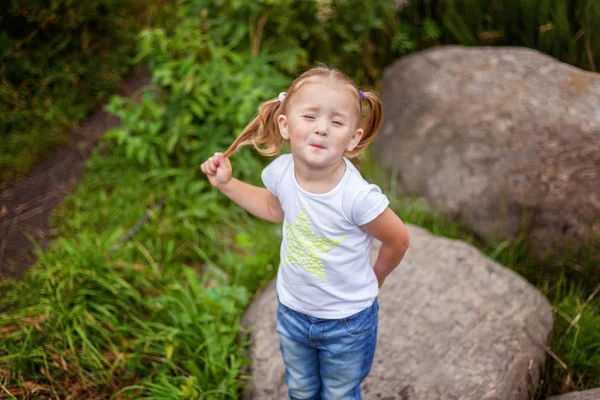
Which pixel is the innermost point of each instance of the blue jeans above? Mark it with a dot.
(327, 359)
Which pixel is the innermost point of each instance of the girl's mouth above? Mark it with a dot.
(316, 146)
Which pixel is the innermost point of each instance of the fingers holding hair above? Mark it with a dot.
(206, 167)
(218, 169)
(211, 165)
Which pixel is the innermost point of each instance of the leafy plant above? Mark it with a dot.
(563, 29)
(57, 61)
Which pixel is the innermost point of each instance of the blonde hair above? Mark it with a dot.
(263, 132)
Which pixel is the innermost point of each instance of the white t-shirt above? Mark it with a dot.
(324, 269)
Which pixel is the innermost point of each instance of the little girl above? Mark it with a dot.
(327, 289)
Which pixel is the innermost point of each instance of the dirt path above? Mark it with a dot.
(26, 207)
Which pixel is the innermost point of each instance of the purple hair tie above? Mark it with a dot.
(362, 95)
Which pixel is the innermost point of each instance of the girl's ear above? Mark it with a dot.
(283, 126)
(355, 140)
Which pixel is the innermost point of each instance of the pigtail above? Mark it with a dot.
(262, 132)
(371, 125)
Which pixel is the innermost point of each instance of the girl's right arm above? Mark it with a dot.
(256, 200)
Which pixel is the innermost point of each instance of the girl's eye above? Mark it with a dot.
(311, 117)
(338, 123)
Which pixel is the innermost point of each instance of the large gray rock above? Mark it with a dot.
(453, 325)
(497, 137)
(592, 394)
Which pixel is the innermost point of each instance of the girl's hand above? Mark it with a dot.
(217, 169)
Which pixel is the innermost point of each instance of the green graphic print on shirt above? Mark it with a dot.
(304, 247)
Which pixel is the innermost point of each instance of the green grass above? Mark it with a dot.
(160, 318)
(565, 30)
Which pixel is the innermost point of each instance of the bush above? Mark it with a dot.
(566, 30)
(57, 60)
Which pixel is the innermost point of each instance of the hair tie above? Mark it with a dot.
(281, 96)
(362, 95)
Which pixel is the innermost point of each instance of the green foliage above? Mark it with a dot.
(203, 96)
(57, 60)
(102, 323)
(356, 36)
(566, 30)
(158, 318)
(576, 339)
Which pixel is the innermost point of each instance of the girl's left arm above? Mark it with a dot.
(394, 238)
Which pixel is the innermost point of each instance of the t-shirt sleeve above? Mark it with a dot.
(272, 174)
(368, 205)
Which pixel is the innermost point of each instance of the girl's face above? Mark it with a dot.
(321, 124)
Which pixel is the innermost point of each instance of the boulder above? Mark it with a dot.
(502, 138)
(453, 324)
(592, 394)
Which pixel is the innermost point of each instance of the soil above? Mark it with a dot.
(26, 207)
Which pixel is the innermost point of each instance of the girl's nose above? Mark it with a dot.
(321, 127)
